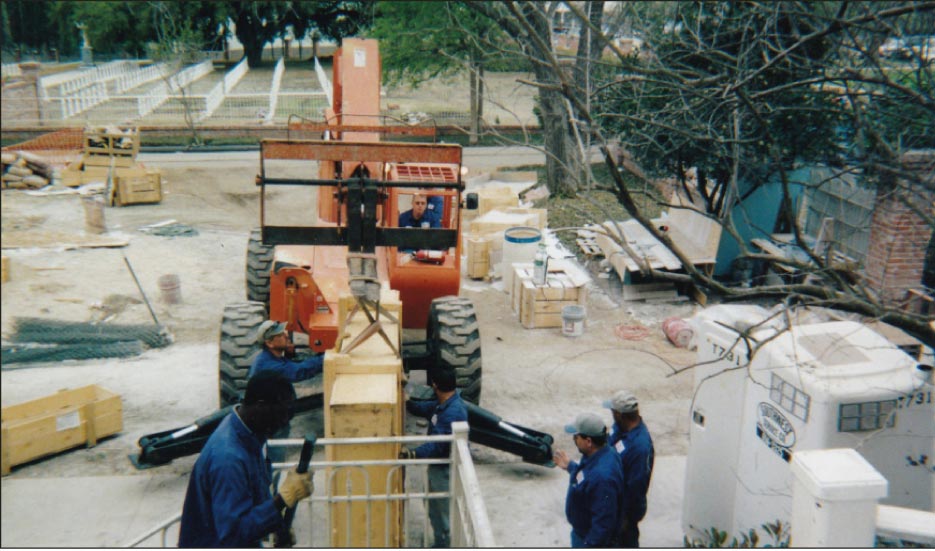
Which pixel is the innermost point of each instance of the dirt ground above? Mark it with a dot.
(536, 378)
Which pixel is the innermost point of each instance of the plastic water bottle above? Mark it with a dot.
(540, 265)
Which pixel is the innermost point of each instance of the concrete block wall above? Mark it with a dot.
(898, 234)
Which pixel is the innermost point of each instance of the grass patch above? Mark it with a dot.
(593, 206)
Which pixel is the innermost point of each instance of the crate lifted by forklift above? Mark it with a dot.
(109, 156)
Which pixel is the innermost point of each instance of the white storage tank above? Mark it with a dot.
(818, 386)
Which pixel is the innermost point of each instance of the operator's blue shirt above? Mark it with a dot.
(440, 417)
(228, 502)
(294, 371)
(595, 498)
(635, 448)
(429, 220)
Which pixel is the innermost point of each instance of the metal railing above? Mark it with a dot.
(470, 524)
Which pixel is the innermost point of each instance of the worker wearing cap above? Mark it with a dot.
(228, 501)
(594, 502)
(272, 336)
(445, 409)
(631, 440)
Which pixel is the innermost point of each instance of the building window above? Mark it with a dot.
(789, 398)
(866, 416)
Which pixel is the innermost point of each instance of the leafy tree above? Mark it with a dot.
(258, 23)
(745, 92)
(530, 26)
(426, 40)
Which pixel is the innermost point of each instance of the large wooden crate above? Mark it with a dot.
(541, 305)
(58, 422)
(364, 397)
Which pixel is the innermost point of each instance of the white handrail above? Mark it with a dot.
(274, 89)
(324, 82)
(161, 527)
(235, 75)
(904, 524)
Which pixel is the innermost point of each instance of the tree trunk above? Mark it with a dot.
(475, 103)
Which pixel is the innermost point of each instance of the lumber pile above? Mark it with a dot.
(23, 170)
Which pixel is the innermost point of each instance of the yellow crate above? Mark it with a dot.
(541, 305)
(138, 185)
(478, 258)
(58, 422)
(101, 145)
(364, 397)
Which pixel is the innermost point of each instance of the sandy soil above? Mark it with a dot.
(535, 378)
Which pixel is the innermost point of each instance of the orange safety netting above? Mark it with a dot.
(57, 148)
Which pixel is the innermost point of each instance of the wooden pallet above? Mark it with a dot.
(589, 247)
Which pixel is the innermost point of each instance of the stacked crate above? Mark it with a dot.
(541, 305)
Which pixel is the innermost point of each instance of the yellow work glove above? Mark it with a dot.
(406, 453)
(295, 487)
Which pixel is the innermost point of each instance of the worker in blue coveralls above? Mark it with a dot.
(228, 502)
(436, 206)
(631, 440)
(273, 338)
(594, 502)
(445, 409)
(419, 216)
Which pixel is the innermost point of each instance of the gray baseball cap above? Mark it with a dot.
(587, 424)
(269, 329)
(622, 401)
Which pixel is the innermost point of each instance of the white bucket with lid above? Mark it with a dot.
(573, 317)
(519, 245)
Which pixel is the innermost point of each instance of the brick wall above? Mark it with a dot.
(898, 235)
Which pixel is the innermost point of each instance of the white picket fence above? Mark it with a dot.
(123, 92)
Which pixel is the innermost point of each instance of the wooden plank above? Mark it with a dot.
(55, 239)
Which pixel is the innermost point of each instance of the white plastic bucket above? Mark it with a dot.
(573, 317)
(519, 245)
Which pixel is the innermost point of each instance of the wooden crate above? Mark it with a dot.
(478, 257)
(103, 146)
(541, 305)
(58, 422)
(138, 185)
(364, 397)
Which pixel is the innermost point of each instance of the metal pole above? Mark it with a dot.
(140, 287)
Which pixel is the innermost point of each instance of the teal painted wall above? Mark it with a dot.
(756, 216)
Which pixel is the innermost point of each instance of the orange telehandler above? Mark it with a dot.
(296, 274)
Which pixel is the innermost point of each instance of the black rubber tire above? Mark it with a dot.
(237, 347)
(454, 337)
(259, 264)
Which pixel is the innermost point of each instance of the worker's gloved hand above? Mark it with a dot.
(406, 453)
(295, 487)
